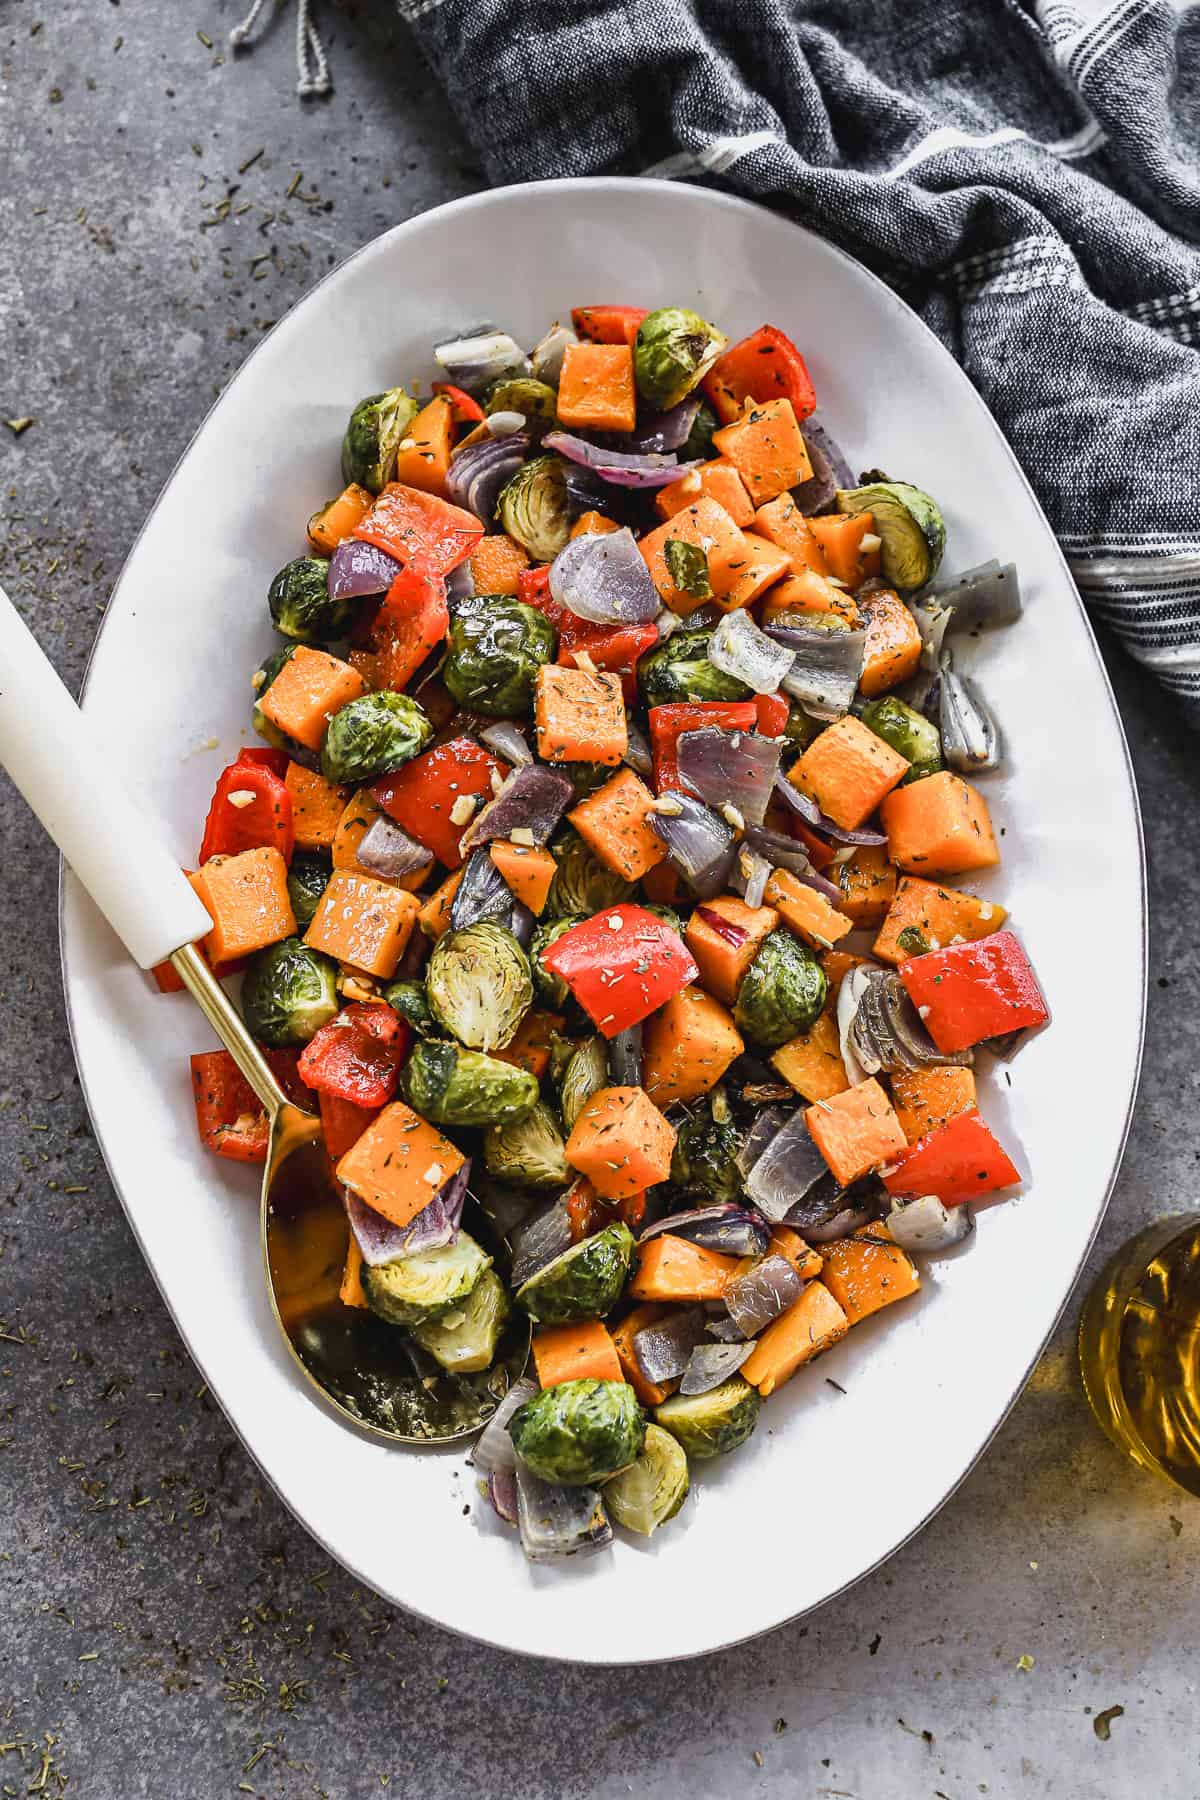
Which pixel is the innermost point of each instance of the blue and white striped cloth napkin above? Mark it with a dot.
(1026, 175)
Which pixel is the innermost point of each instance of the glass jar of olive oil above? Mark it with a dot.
(1139, 1349)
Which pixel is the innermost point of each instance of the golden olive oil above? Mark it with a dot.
(1139, 1349)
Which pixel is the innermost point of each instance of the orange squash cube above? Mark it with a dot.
(766, 447)
(809, 592)
(351, 1291)
(580, 716)
(812, 1062)
(434, 915)
(811, 1324)
(399, 1164)
(791, 1246)
(650, 1393)
(687, 1046)
(358, 815)
(496, 563)
(938, 826)
(868, 883)
(939, 915)
(596, 390)
(363, 922)
(765, 565)
(615, 822)
(621, 1142)
(246, 898)
(847, 770)
(847, 546)
(594, 524)
(866, 1272)
(806, 912)
(528, 871)
(673, 1269)
(708, 527)
(423, 457)
(782, 521)
(308, 690)
(317, 805)
(927, 1098)
(855, 1131)
(717, 480)
(725, 945)
(893, 643)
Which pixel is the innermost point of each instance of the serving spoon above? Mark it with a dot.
(370, 1372)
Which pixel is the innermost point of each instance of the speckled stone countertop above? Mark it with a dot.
(165, 1629)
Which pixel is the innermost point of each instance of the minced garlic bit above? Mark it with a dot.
(497, 781)
(433, 1175)
(521, 834)
(836, 581)
(463, 809)
(691, 483)
(583, 661)
(614, 921)
(986, 909)
(667, 805)
(258, 679)
(408, 443)
(732, 816)
(241, 798)
(923, 1011)
(870, 541)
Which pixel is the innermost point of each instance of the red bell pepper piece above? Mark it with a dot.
(466, 411)
(410, 623)
(533, 589)
(820, 853)
(275, 760)
(230, 1117)
(420, 529)
(615, 648)
(668, 724)
(357, 1056)
(765, 366)
(422, 795)
(772, 714)
(251, 810)
(957, 1162)
(621, 965)
(343, 1123)
(608, 324)
(969, 992)
(583, 1208)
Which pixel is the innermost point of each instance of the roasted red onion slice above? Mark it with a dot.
(830, 469)
(483, 893)
(479, 357)
(886, 1032)
(507, 740)
(701, 846)
(753, 874)
(730, 768)
(843, 1223)
(625, 1057)
(604, 578)
(925, 1226)
(546, 357)
(769, 1123)
(754, 1299)
(533, 799)
(539, 1240)
(738, 648)
(731, 1229)
(662, 1350)
(502, 1492)
(812, 815)
(559, 1521)
(711, 1364)
(825, 669)
(785, 853)
(389, 852)
(788, 1166)
(979, 598)
(621, 468)
(382, 1242)
(666, 430)
(638, 754)
(494, 1447)
(358, 570)
(970, 738)
(477, 474)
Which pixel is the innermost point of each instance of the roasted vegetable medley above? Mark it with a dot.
(596, 876)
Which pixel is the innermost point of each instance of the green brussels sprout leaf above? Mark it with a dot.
(308, 877)
(680, 670)
(911, 525)
(414, 1289)
(464, 1339)
(302, 607)
(674, 349)
(530, 1153)
(533, 508)
(582, 884)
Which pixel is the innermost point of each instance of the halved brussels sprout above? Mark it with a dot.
(911, 525)
(907, 731)
(680, 670)
(698, 442)
(704, 1161)
(302, 607)
(584, 1075)
(584, 1282)
(530, 1153)
(452, 1086)
(479, 985)
(653, 1487)
(579, 1432)
(409, 999)
(373, 436)
(497, 646)
(782, 991)
(288, 993)
(551, 987)
(537, 400)
(675, 348)
(371, 736)
(260, 681)
(464, 1339)
(667, 914)
(414, 1289)
(308, 877)
(711, 1424)
(533, 508)
(582, 884)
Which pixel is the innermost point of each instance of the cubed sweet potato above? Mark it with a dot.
(363, 922)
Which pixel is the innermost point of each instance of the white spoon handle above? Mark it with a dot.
(69, 781)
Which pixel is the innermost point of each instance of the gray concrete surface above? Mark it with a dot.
(165, 1630)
